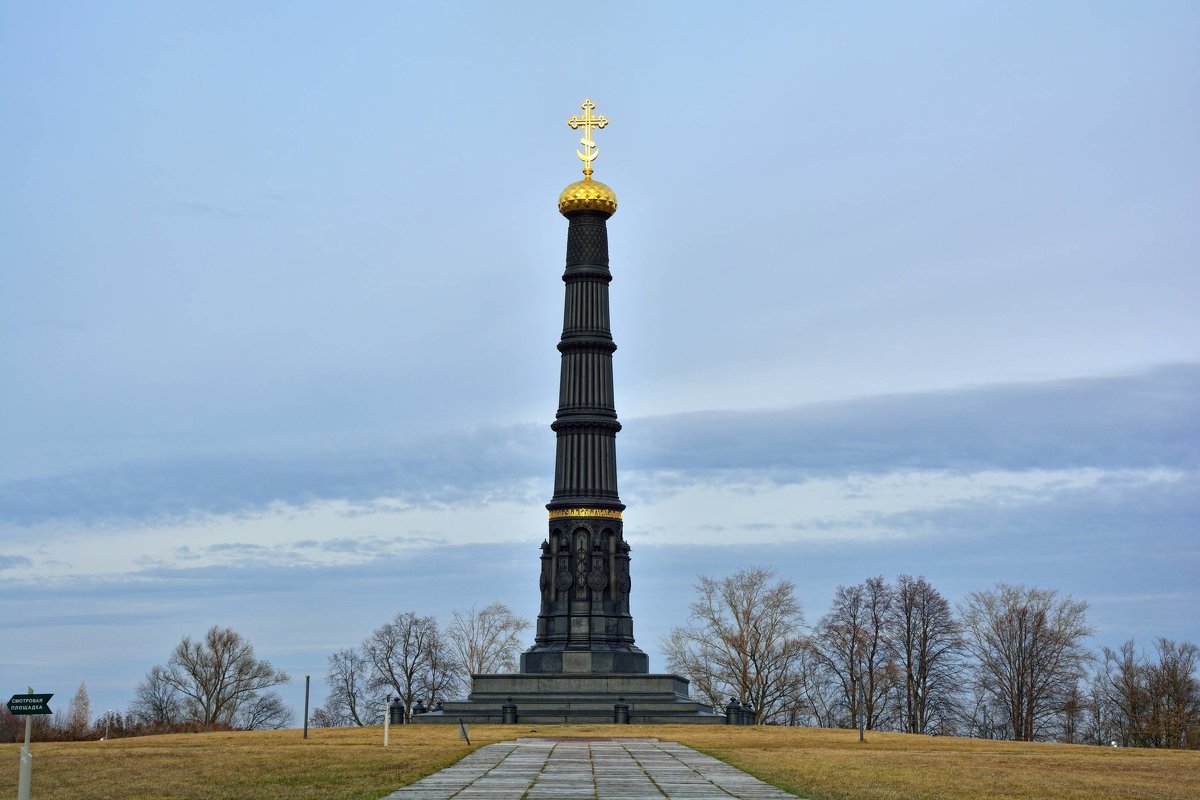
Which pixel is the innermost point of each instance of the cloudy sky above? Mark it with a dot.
(897, 289)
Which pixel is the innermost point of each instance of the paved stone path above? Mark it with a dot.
(581, 769)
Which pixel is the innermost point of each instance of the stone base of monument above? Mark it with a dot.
(578, 698)
(555, 661)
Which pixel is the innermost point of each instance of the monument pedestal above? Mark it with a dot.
(553, 661)
(578, 698)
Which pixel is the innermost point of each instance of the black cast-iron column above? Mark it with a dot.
(584, 624)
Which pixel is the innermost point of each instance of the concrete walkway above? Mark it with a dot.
(579, 769)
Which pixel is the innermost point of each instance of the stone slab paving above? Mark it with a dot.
(589, 769)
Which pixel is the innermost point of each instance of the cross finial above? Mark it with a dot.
(589, 152)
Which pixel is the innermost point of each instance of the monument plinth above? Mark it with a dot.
(584, 663)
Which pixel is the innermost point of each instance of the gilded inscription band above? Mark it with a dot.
(607, 513)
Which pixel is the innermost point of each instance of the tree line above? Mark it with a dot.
(217, 682)
(1010, 662)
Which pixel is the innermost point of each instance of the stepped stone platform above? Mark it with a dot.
(611, 769)
(580, 698)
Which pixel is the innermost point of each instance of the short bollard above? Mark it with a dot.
(621, 712)
(508, 713)
(396, 712)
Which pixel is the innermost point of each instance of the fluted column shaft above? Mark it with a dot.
(585, 464)
(584, 624)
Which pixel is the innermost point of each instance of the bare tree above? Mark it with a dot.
(745, 640)
(983, 716)
(851, 642)
(819, 694)
(323, 717)
(1127, 693)
(1099, 728)
(11, 728)
(218, 674)
(1175, 694)
(1029, 645)
(1073, 716)
(157, 703)
(443, 678)
(928, 645)
(1155, 703)
(79, 713)
(686, 656)
(350, 700)
(487, 641)
(263, 711)
(409, 656)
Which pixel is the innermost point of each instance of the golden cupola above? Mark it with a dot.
(587, 194)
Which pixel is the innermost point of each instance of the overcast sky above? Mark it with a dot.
(897, 289)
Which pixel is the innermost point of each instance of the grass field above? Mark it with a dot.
(814, 763)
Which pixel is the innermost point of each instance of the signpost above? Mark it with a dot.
(24, 705)
(28, 706)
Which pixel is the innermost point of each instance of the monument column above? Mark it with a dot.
(584, 624)
(583, 666)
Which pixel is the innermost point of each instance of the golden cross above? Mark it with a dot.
(587, 122)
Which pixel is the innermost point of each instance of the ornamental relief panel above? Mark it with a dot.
(563, 581)
(597, 580)
(590, 561)
(582, 563)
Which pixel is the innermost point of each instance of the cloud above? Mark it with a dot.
(317, 534)
(14, 562)
(910, 505)
(861, 509)
(470, 467)
(1143, 421)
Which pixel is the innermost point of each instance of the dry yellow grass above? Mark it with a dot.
(834, 765)
(340, 763)
(819, 764)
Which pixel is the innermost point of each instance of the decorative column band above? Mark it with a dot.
(587, 238)
(562, 513)
(587, 344)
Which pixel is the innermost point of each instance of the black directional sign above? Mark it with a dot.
(28, 705)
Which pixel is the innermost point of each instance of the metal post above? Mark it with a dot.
(25, 773)
(387, 723)
(306, 683)
(862, 714)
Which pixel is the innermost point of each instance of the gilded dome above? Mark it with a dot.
(587, 195)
